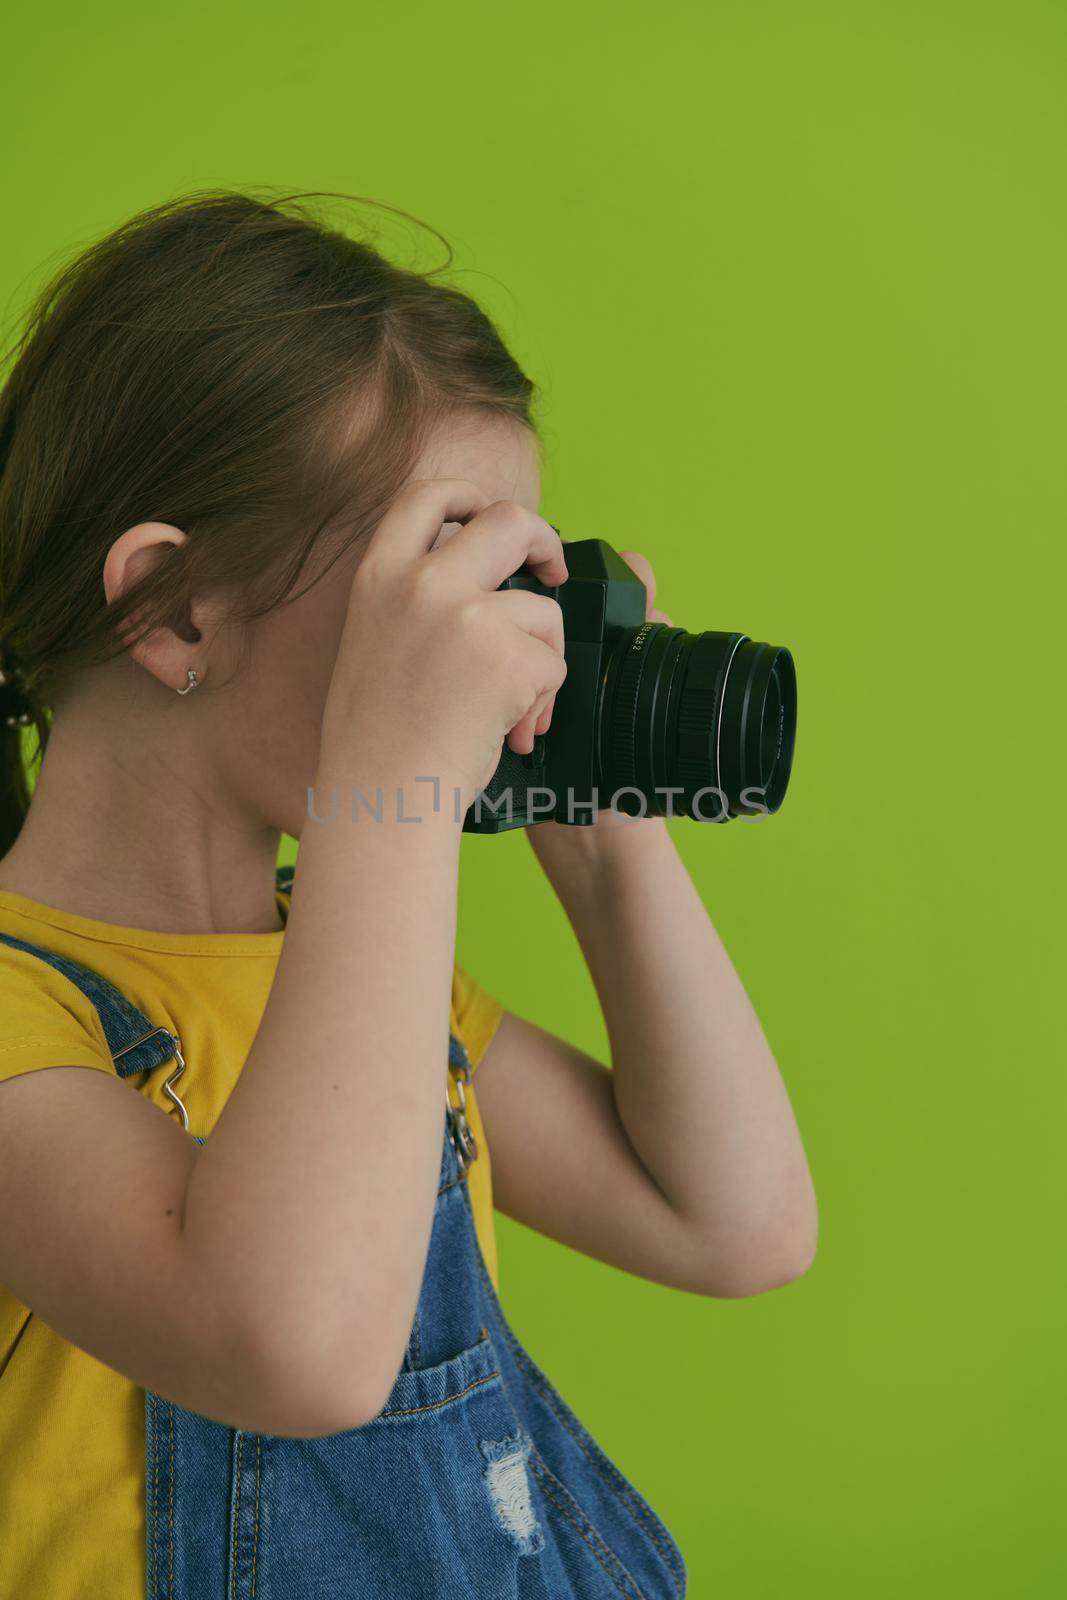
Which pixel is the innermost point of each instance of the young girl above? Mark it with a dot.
(260, 488)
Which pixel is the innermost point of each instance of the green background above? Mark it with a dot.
(792, 279)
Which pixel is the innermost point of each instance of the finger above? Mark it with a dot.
(521, 737)
(415, 518)
(659, 616)
(545, 619)
(541, 617)
(638, 563)
(500, 539)
(537, 721)
(538, 614)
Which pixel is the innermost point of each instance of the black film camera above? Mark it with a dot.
(650, 720)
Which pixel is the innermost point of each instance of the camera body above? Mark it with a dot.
(650, 719)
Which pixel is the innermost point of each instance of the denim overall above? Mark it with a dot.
(476, 1481)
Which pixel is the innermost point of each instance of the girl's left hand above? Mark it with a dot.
(546, 837)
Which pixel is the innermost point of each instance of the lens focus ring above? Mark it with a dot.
(696, 753)
(701, 709)
(624, 720)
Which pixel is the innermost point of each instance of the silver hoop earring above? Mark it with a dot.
(191, 675)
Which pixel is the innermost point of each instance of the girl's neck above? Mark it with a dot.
(117, 834)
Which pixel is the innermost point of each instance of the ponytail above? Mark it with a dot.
(15, 786)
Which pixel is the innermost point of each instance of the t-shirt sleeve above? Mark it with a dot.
(475, 1014)
(45, 1019)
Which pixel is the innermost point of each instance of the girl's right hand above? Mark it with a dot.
(436, 665)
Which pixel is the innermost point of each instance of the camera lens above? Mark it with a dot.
(695, 724)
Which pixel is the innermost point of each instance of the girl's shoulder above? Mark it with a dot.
(45, 1019)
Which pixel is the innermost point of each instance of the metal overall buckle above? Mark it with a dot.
(459, 1129)
(168, 1087)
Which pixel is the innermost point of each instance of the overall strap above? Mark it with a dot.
(136, 1044)
(139, 1045)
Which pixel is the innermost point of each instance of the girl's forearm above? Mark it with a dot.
(311, 1203)
(695, 1083)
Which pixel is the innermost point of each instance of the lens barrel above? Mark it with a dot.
(695, 724)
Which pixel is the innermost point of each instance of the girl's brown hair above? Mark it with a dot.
(231, 364)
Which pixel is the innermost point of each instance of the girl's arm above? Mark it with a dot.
(683, 1164)
(269, 1278)
(312, 1202)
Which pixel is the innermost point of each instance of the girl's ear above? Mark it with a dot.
(166, 652)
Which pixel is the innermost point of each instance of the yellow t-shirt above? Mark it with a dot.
(72, 1441)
